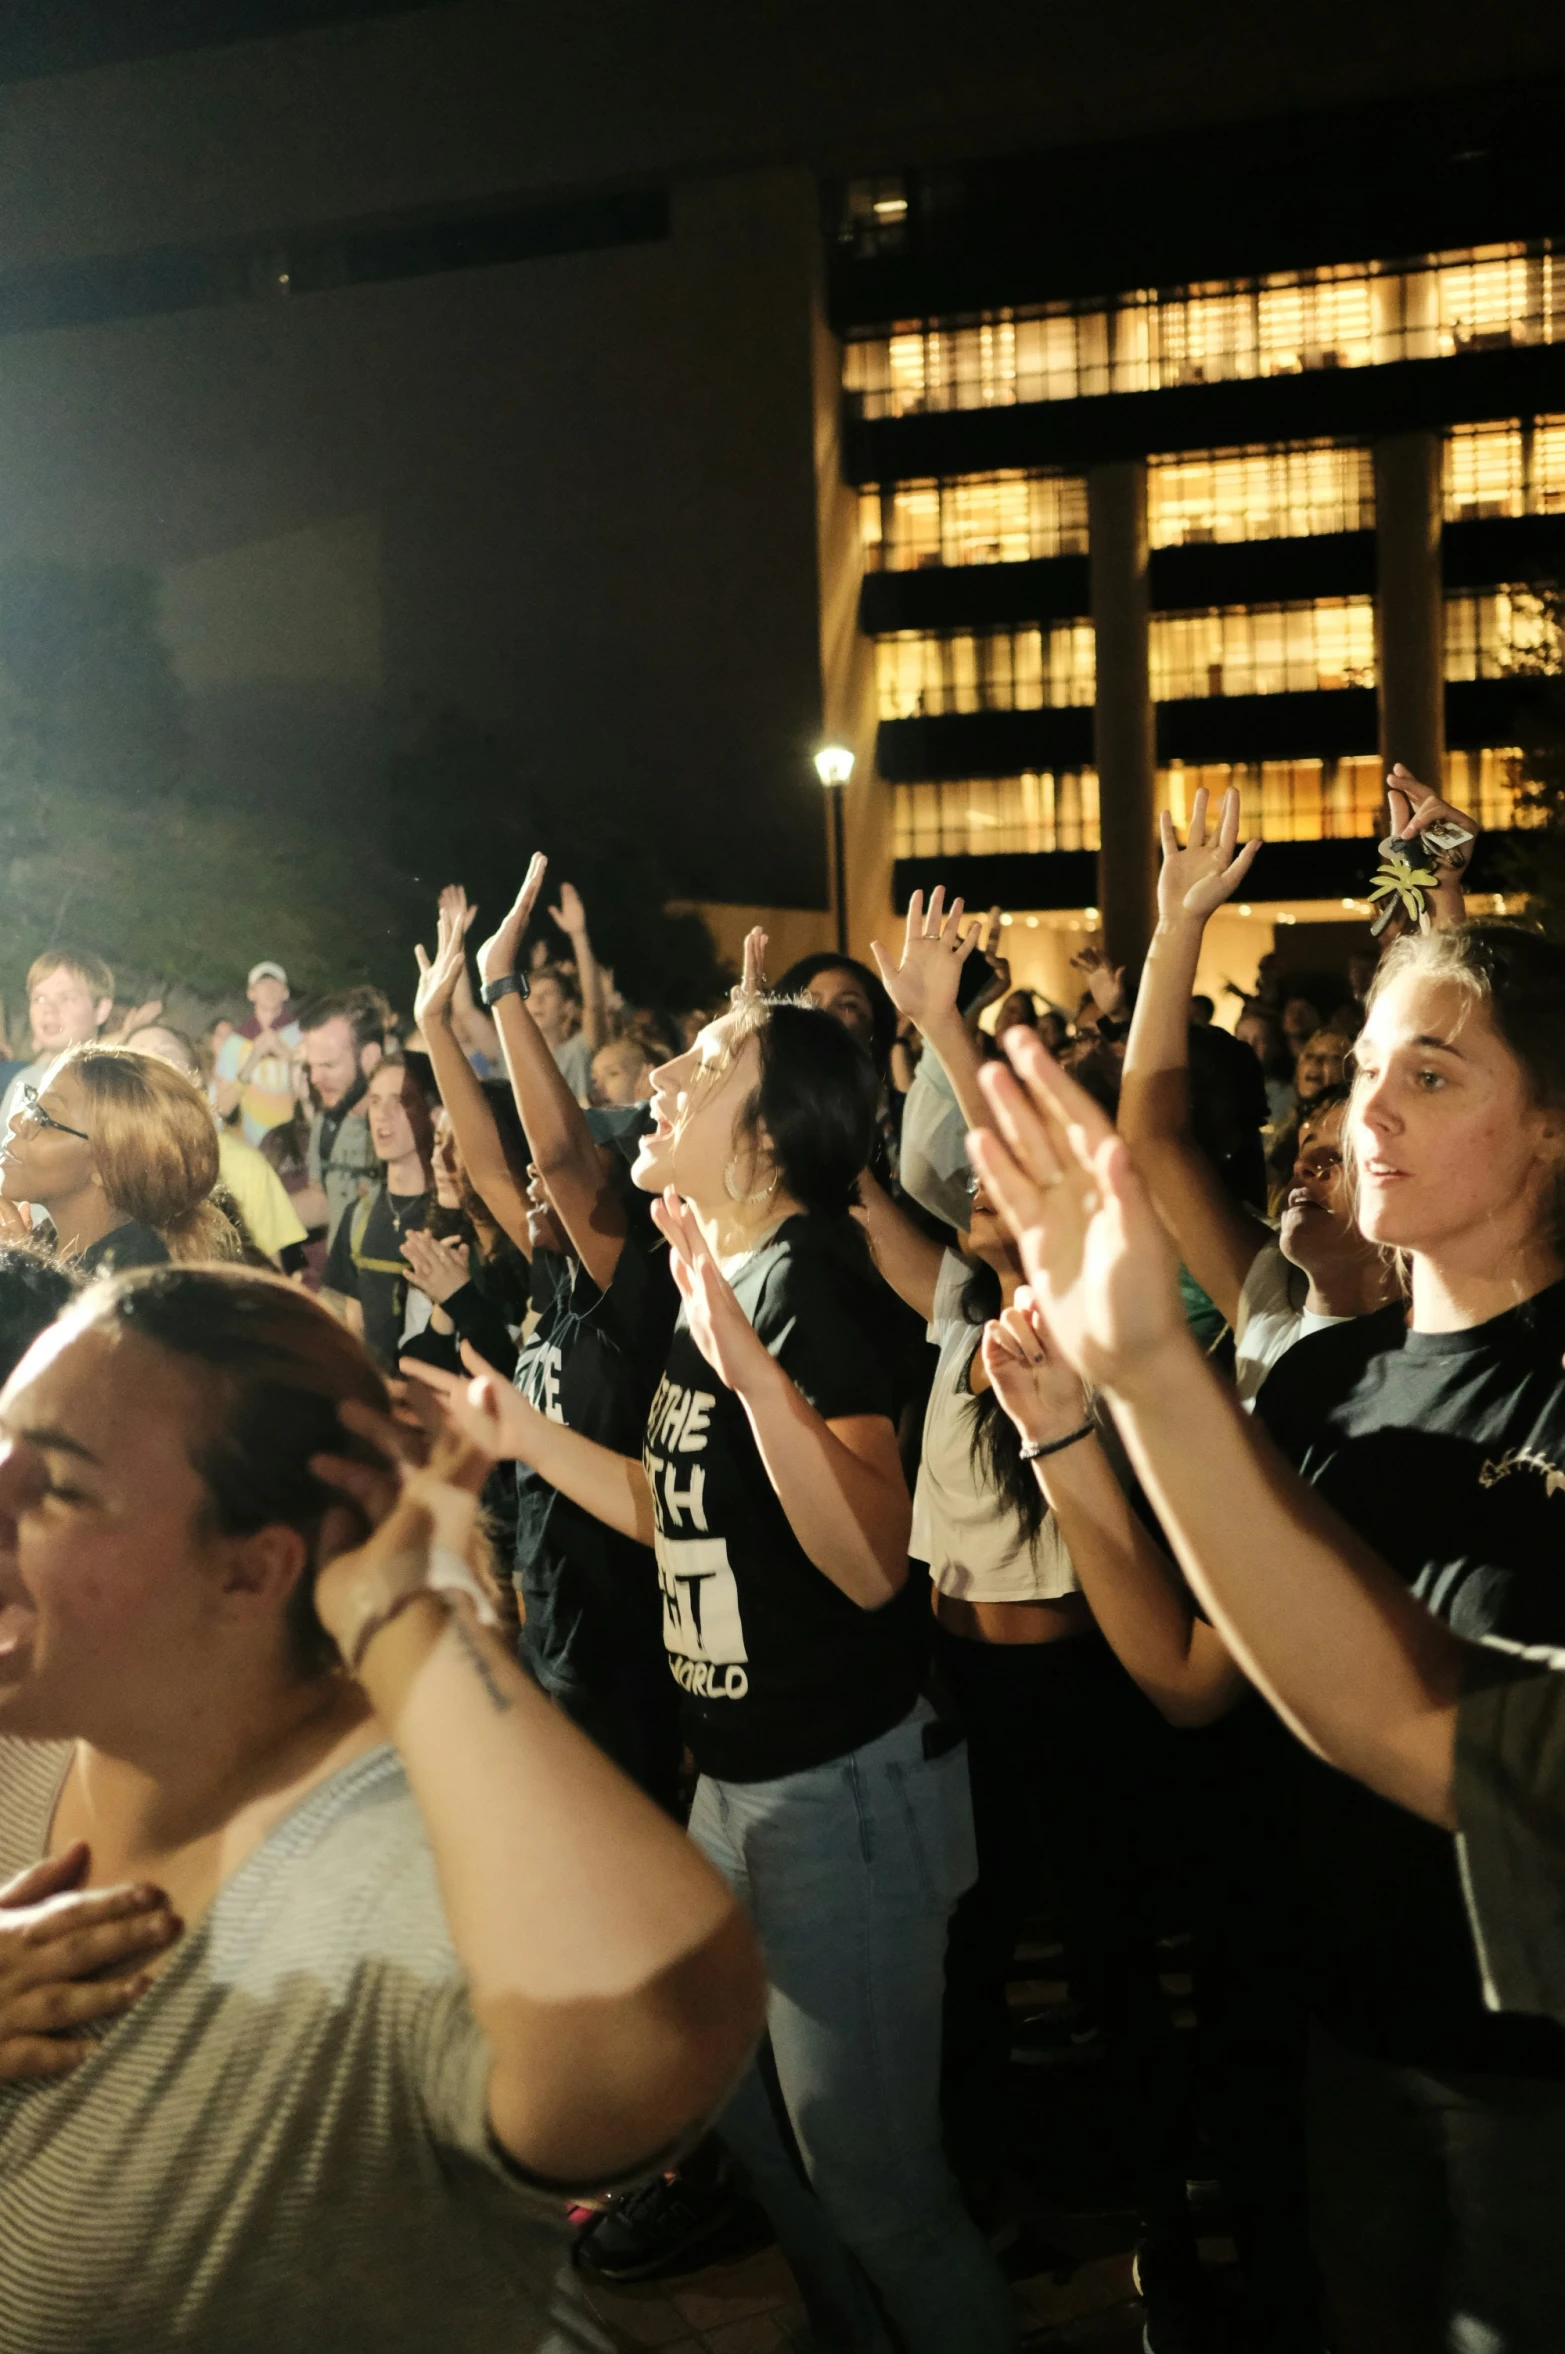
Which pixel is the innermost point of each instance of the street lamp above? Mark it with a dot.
(834, 766)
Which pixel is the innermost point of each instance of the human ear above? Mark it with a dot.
(102, 1010)
(369, 1056)
(264, 1567)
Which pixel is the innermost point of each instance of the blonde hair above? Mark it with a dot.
(154, 1146)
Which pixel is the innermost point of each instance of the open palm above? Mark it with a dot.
(1095, 1255)
(1196, 880)
(501, 952)
(718, 1325)
(923, 982)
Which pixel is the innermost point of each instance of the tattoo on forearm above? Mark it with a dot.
(499, 1698)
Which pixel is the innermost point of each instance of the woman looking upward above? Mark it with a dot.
(830, 1797)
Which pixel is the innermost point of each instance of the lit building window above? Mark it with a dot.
(1286, 800)
(1035, 812)
(1264, 649)
(921, 675)
(1280, 800)
(1281, 493)
(1487, 784)
(973, 519)
(1515, 468)
(1498, 633)
(1343, 316)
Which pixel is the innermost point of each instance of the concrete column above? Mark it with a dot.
(1409, 604)
(1122, 725)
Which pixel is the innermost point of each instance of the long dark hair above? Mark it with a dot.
(995, 1448)
(815, 1102)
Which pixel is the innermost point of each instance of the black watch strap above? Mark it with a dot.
(493, 990)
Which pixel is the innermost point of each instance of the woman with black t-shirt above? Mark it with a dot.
(1438, 1434)
(830, 1797)
(604, 1310)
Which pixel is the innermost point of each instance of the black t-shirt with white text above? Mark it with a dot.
(779, 1669)
(589, 1595)
(1446, 1453)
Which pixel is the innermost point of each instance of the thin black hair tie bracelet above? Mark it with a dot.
(1033, 1448)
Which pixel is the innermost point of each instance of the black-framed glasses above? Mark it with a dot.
(42, 1119)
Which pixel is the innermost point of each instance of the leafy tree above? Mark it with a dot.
(109, 840)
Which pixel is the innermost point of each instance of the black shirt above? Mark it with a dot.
(589, 1595)
(365, 1263)
(780, 1670)
(130, 1245)
(1446, 1453)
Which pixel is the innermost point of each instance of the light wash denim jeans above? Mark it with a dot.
(850, 1872)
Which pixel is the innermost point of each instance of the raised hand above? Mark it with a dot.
(1415, 808)
(1096, 1257)
(69, 1955)
(569, 913)
(922, 984)
(718, 1325)
(484, 1407)
(752, 981)
(437, 981)
(437, 1268)
(499, 953)
(1196, 880)
(140, 1017)
(1037, 1387)
(1105, 981)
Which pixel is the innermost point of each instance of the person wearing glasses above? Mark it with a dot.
(118, 1151)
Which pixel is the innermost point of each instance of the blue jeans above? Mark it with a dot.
(850, 1872)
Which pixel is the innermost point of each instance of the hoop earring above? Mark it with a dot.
(736, 1193)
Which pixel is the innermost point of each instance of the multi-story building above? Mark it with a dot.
(1272, 519)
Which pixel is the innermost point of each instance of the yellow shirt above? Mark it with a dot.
(260, 1193)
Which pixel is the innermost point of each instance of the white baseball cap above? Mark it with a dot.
(266, 972)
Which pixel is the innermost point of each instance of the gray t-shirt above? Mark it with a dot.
(1509, 1792)
(284, 2144)
(574, 1057)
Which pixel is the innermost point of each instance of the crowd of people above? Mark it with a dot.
(572, 1575)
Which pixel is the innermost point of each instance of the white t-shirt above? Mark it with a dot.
(1271, 1317)
(973, 1544)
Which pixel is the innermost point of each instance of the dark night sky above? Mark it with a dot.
(576, 494)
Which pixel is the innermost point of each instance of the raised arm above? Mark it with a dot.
(1355, 1664)
(461, 1091)
(475, 1030)
(1217, 1242)
(839, 1482)
(906, 1257)
(558, 1137)
(1183, 1665)
(616, 1982)
(571, 917)
(1414, 809)
(922, 983)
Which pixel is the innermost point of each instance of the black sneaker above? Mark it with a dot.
(1179, 2313)
(670, 2226)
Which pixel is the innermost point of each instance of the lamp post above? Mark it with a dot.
(834, 766)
